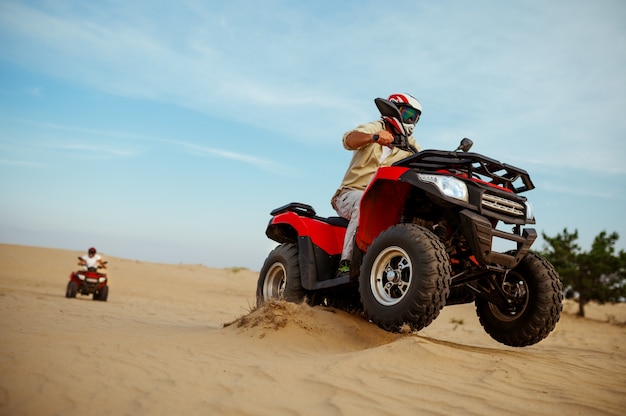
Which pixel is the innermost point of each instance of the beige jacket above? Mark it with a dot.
(366, 160)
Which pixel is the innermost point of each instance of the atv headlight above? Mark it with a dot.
(447, 185)
(102, 279)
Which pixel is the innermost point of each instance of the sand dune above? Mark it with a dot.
(160, 346)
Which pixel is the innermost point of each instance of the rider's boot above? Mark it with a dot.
(344, 269)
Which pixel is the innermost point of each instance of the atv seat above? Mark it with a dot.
(337, 221)
(307, 211)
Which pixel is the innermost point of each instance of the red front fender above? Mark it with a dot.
(382, 204)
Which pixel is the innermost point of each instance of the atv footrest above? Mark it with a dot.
(323, 284)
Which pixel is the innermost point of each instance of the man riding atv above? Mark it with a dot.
(372, 144)
(89, 281)
(423, 233)
(92, 261)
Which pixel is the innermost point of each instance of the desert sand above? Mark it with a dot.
(187, 340)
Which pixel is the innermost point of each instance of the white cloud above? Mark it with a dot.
(19, 163)
(99, 143)
(535, 80)
(236, 156)
(90, 150)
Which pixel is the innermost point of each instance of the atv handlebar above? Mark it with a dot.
(101, 265)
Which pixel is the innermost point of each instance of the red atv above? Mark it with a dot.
(88, 282)
(425, 239)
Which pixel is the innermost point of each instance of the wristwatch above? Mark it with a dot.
(375, 137)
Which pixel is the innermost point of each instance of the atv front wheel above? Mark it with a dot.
(534, 294)
(72, 289)
(405, 278)
(280, 276)
(102, 294)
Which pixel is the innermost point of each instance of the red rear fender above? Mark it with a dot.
(287, 227)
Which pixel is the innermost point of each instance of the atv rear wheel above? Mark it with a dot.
(535, 295)
(72, 289)
(405, 278)
(280, 276)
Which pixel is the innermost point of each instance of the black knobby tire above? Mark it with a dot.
(280, 276)
(538, 296)
(103, 294)
(405, 278)
(72, 289)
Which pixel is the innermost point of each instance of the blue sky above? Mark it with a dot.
(167, 131)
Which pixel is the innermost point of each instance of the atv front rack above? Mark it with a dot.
(473, 165)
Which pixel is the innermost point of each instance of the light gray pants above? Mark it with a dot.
(347, 205)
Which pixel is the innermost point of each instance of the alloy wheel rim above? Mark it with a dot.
(391, 276)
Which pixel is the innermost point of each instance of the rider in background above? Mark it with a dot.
(372, 147)
(92, 260)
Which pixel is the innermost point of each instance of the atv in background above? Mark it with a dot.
(426, 238)
(88, 282)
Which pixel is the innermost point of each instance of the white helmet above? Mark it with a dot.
(410, 109)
